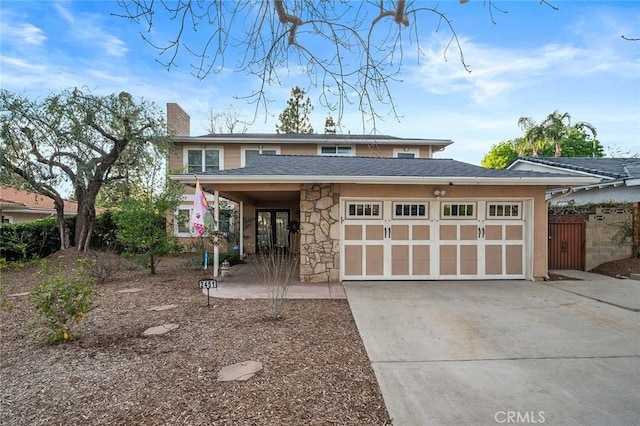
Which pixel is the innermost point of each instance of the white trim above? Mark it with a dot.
(387, 180)
(259, 148)
(414, 151)
(176, 232)
(258, 139)
(352, 149)
(185, 156)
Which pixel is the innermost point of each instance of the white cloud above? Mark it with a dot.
(22, 33)
(114, 46)
(64, 13)
(494, 71)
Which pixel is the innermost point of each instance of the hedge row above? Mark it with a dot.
(40, 238)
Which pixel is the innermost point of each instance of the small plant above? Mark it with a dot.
(277, 267)
(61, 301)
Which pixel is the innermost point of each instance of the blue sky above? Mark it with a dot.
(532, 61)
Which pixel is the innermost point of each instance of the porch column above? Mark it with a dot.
(241, 224)
(216, 227)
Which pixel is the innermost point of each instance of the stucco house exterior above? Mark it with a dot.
(372, 207)
(18, 205)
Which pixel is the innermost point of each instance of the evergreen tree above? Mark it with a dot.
(295, 117)
(329, 126)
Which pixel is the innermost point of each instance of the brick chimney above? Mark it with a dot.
(178, 121)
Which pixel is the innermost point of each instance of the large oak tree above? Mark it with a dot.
(79, 141)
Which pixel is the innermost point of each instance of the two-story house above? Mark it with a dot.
(372, 207)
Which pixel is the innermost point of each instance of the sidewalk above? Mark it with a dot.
(245, 282)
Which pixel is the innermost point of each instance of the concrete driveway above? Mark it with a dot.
(503, 352)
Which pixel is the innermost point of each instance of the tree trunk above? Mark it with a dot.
(62, 226)
(85, 220)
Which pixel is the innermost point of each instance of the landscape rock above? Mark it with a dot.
(162, 308)
(239, 372)
(130, 290)
(160, 330)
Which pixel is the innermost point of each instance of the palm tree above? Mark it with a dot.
(533, 134)
(554, 129)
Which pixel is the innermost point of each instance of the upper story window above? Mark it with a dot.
(406, 152)
(345, 150)
(203, 160)
(250, 154)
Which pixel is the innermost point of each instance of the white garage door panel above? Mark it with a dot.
(424, 243)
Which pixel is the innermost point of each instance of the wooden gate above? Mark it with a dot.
(567, 242)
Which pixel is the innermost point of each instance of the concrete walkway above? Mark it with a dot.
(245, 282)
(496, 352)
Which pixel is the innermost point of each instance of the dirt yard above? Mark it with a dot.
(316, 370)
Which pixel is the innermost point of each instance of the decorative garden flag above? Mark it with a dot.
(200, 208)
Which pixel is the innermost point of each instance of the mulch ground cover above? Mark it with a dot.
(315, 368)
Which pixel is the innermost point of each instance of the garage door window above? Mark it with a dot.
(409, 210)
(458, 210)
(504, 210)
(364, 210)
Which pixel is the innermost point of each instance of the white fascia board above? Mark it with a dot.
(386, 180)
(264, 141)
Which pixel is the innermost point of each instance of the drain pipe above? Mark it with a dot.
(557, 197)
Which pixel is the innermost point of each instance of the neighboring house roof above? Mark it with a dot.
(611, 168)
(611, 172)
(335, 169)
(22, 201)
(311, 137)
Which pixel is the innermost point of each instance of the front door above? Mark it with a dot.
(272, 229)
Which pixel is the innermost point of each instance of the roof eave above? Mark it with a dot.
(285, 141)
(386, 180)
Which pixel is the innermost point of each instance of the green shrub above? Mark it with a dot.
(29, 240)
(232, 256)
(61, 301)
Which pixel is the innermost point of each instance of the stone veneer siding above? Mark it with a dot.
(319, 233)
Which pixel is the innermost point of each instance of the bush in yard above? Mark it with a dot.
(277, 267)
(61, 300)
(233, 257)
(141, 226)
(30, 240)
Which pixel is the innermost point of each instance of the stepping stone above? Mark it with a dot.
(160, 330)
(239, 372)
(162, 308)
(130, 290)
(19, 294)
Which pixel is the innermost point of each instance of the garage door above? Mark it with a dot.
(433, 239)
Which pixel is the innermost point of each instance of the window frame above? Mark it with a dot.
(414, 151)
(503, 204)
(260, 149)
(363, 204)
(176, 228)
(202, 149)
(410, 204)
(445, 204)
(352, 150)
